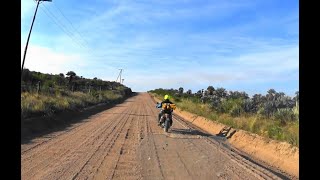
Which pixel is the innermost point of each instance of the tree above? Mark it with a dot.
(269, 108)
(237, 95)
(180, 90)
(271, 95)
(221, 92)
(244, 95)
(198, 94)
(215, 102)
(249, 106)
(70, 75)
(258, 100)
(210, 90)
(189, 92)
(26, 75)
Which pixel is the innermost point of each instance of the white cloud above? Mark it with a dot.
(279, 64)
(46, 60)
(278, 60)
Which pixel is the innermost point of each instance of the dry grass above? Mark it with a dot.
(45, 104)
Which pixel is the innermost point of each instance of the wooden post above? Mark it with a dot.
(38, 89)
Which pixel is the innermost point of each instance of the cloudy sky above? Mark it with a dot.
(244, 45)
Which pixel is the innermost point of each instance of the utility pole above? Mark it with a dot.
(119, 76)
(122, 81)
(25, 49)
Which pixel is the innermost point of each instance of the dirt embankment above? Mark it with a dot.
(277, 154)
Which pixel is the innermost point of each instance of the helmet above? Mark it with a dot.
(166, 96)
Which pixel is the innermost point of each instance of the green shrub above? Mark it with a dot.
(284, 115)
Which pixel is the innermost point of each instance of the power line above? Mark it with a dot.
(80, 41)
(53, 17)
(83, 43)
(62, 27)
(80, 35)
(91, 51)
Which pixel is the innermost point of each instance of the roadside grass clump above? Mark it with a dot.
(35, 104)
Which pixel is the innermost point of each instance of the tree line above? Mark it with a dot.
(69, 81)
(273, 104)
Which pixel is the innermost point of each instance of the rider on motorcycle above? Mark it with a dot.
(163, 111)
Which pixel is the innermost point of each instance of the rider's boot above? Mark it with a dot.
(160, 121)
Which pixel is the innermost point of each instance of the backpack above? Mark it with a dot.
(168, 106)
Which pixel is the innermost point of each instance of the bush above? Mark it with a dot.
(177, 100)
(232, 106)
(275, 132)
(296, 111)
(284, 115)
(236, 111)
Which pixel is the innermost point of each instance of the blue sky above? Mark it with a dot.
(244, 45)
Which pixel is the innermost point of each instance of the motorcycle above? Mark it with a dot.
(166, 118)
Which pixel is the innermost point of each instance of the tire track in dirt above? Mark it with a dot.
(104, 167)
(185, 171)
(126, 166)
(109, 140)
(67, 134)
(46, 139)
(150, 134)
(83, 171)
(43, 160)
(149, 156)
(75, 143)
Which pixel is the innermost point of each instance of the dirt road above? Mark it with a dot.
(124, 142)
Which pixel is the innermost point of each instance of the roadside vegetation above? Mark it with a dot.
(274, 115)
(45, 94)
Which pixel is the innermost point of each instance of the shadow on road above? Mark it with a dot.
(189, 132)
